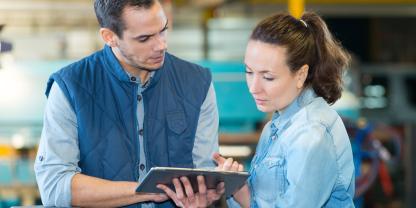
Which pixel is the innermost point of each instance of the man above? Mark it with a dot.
(113, 115)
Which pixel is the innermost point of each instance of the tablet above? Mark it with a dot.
(164, 175)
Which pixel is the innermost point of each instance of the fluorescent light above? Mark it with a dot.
(235, 151)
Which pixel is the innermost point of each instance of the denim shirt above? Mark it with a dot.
(303, 158)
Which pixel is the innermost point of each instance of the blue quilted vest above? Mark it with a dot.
(105, 103)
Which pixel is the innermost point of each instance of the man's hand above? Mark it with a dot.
(187, 198)
(156, 197)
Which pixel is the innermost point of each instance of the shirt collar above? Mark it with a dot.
(280, 119)
(138, 81)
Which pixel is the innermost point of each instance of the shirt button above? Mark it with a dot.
(141, 132)
(142, 167)
(133, 79)
(41, 158)
(139, 98)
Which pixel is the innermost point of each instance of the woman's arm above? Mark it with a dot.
(242, 196)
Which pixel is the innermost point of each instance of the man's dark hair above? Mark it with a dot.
(109, 12)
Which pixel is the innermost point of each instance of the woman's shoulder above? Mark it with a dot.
(317, 112)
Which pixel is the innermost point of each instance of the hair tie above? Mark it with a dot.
(303, 22)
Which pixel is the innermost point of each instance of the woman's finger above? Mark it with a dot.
(227, 164)
(234, 166)
(218, 159)
(240, 167)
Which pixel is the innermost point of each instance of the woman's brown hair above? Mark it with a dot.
(307, 41)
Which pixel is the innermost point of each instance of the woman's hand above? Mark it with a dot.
(185, 197)
(242, 196)
(226, 164)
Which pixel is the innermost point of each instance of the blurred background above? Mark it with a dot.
(378, 106)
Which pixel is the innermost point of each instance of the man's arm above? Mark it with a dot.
(89, 191)
(57, 173)
(206, 137)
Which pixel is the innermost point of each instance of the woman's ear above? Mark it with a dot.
(109, 37)
(301, 76)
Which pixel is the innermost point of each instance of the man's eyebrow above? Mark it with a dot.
(150, 35)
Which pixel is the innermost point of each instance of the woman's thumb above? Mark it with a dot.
(218, 158)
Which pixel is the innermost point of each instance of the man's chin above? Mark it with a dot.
(156, 66)
(151, 67)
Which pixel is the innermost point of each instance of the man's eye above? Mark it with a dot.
(142, 40)
(164, 29)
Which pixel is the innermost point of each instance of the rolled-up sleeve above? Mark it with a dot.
(206, 137)
(58, 153)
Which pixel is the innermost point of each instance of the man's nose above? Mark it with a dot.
(161, 44)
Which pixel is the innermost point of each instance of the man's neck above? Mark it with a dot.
(133, 71)
(136, 72)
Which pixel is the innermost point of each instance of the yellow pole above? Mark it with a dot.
(296, 8)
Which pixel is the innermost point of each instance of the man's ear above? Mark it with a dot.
(109, 37)
(301, 76)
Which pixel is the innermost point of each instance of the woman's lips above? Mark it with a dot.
(260, 101)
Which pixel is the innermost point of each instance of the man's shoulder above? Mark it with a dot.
(79, 67)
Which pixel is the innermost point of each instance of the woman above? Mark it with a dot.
(303, 159)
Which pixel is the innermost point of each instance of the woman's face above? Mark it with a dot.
(269, 78)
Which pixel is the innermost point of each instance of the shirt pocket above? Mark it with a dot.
(180, 142)
(271, 182)
(176, 121)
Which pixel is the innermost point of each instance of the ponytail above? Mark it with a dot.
(308, 41)
(331, 60)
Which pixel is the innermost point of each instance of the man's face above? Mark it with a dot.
(143, 44)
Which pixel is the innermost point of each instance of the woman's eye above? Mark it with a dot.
(268, 78)
(249, 72)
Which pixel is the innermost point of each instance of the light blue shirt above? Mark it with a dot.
(303, 158)
(58, 154)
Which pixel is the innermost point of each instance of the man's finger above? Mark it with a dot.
(221, 188)
(188, 188)
(202, 188)
(178, 189)
(169, 192)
